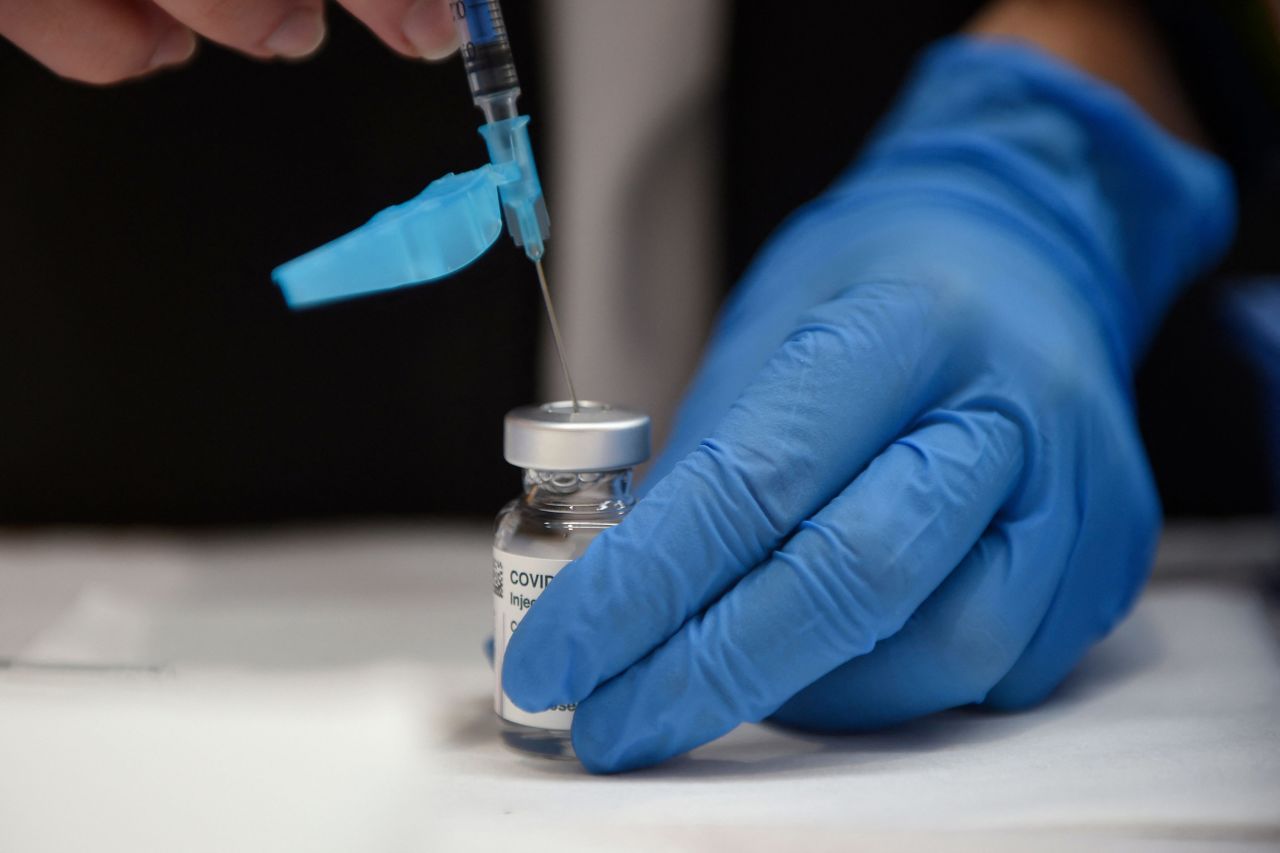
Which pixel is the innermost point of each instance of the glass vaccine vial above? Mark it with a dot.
(577, 482)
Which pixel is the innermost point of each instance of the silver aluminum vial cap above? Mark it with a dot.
(597, 437)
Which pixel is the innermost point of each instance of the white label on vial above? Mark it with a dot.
(517, 583)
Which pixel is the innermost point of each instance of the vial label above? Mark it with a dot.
(517, 583)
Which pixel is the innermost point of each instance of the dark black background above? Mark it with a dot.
(149, 371)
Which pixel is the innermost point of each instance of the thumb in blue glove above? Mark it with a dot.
(908, 476)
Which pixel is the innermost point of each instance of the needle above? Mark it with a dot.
(555, 332)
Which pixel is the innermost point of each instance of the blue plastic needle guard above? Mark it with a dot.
(445, 227)
(451, 223)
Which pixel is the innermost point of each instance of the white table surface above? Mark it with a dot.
(325, 690)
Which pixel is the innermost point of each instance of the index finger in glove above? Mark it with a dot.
(838, 391)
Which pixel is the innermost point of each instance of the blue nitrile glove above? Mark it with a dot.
(908, 476)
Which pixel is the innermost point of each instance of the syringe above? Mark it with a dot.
(491, 74)
(458, 216)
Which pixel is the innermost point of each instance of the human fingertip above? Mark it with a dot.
(299, 34)
(176, 46)
(428, 28)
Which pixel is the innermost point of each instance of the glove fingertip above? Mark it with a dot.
(602, 745)
(528, 680)
(590, 747)
(1012, 695)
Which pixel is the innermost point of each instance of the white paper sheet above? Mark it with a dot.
(326, 691)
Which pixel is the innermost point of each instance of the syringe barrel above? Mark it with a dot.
(486, 55)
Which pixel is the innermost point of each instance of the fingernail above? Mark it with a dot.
(429, 29)
(298, 35)
(175, 46)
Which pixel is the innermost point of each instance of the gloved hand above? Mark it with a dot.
(908, 475)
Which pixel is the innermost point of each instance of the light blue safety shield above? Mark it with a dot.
(443, 229)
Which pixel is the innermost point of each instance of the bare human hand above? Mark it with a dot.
(105, 41)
